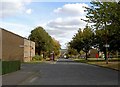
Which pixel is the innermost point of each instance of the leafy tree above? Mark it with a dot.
(106, 19)
(38, 35)
(44, 43)
(72, 51)
(83, 40)
(77, 39)
(87, 39)
(56, 47)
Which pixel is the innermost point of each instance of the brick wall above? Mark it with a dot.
(11, 49)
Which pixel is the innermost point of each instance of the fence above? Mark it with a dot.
(10, 66)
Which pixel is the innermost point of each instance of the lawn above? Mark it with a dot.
(46, 60)
(114, 63)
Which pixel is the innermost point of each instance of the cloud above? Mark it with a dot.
(63, 29)
(76, 9)
(11, 8)
(68, 22)
(20, 29)
(29, 11)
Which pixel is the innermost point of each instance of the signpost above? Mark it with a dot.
(106, 46)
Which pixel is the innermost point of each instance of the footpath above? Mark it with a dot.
(16, 78)
(19, 77)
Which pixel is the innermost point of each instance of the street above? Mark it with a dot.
(63, 72)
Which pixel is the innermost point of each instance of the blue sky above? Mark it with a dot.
(60, 19)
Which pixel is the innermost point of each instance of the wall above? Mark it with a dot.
(11, 46)
(0, 58)
(32, 49)
(93, 53)
(29, 50)
(0, 44)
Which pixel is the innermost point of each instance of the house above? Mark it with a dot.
(92, 53)
(15, 47)
(63, 52)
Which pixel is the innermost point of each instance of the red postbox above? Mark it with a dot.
(97, 56)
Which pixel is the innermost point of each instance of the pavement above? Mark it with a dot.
(63, 72)
(16, 78)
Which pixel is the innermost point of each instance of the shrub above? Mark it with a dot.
(37, 57)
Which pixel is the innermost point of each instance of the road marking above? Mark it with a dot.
(29, 79)
(33, 79)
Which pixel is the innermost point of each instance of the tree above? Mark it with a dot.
(41, 39)
(87, 39)
(106, 19)
(71, 51)
(77, 41)
(82, 40)
(56, 47)
(44, 43)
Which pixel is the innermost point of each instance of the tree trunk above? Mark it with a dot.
(39, 51)
(43, 55)
(117, 54)
(86, 55)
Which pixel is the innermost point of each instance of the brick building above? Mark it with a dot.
(29, 50)
(92, 53)
(15, 47)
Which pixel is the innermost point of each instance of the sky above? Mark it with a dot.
(61, 19)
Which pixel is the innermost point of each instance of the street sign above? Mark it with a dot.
(21, 46)
(106, 45)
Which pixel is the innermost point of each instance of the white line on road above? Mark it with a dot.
(33, 79)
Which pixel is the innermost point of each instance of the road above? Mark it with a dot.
(63, 72)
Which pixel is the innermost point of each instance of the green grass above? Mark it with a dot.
(113, 62)
(34, 62)
(46, 60)
(112, 65)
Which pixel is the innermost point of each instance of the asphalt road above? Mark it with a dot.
(65, 72)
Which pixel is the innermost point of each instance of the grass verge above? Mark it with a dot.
(113, 63)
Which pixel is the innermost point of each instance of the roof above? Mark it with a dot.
(12, 33)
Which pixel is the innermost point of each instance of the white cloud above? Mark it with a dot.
(11, 8)
(20, 29)
(76, 9)
(69, 21)
(63, 29)
(29, 11)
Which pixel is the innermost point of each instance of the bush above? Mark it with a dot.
(47, 59)
(37, 57)
(10, 66)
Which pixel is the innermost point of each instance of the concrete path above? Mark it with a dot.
(63, 72)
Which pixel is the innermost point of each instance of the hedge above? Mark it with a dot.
(10, 66)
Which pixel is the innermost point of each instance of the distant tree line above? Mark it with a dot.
(105, 31)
